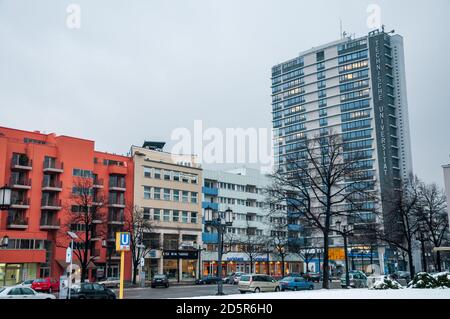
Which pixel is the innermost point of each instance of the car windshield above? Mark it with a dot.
(40, 280)
(159, 277)
(244, 278)
(286, 279)
(2, 289)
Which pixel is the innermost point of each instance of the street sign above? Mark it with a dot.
(123, 241)
(68, 255)
(142, 262)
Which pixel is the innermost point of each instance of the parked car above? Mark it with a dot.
(295, 283)
(357, 279)
(160, 280)
(257, 283)
(91, 291)
(313, 276)
(236, 277)
(110, 282)
(21, 292)
(402, 275)
(27, 283)
(207, 280)
(45, 284)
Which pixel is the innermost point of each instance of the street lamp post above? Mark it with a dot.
(73, 236)
(214, 219)
(345, 232)
(4, 242)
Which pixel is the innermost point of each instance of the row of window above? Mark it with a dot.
(237, 201)
(358, 145)
(169, 175)
(354, 85)
(352, 56)
(351, 45)
(354, 95)
(355, 125)
(355, 105)
(355, 115)
(357, 135)
(238, 188)
(353, 66)
(82, 173)
(23, 243)
(354, 75)
(170, 194)
(167, 215)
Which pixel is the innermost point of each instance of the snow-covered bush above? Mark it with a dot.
(386, 283)
(423, 280)
(443, 279)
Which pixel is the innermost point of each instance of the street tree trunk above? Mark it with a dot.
(438, 261)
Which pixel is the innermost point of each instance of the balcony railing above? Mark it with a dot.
(53, 166)
(20, 202)
(20, 182)
(17, 221)
(117, 184)
(21, 163)
(51, 184)
(50, 222)
(116, 219)
(116, 202)
(50, 203)
(97, 183)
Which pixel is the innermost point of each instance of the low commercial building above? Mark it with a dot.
(241, 190)
(43, 171)
(168, 190)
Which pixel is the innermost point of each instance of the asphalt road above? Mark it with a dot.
(188, 291)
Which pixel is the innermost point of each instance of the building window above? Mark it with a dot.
(166, 175)
(193, 197)
(156, 193)
(176, 216)
(184, 217)
(185, 197)
(146, 213)
(157, 173)
(166, 194)
(147, 172)
(176, 176)
(176, 195)
(193, 218)
(147, 192)
(166, 215)
(156, 214)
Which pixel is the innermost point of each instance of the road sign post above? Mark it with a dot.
(122, 245)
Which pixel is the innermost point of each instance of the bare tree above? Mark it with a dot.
(278, 239)
(433, 216)
(251, 244)
(400, 219)
(324, 180)
(85, 216)
(138, 225)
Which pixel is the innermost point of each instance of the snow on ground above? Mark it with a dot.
(406, 293)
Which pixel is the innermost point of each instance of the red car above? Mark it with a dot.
(45, 285)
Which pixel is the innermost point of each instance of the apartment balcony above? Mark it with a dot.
(210, 238)
(114, 219)
(17, 222)
(96, 220)
(51, 204)
(212, 191)
(116, 203)
(20, 203)
(49, 222)
(97, 183)
(214, 206)
(120, 187)
(117, 169)
(53, 167)
(52, 186)
(23, 164)
(20, 183)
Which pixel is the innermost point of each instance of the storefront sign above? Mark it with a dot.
(180, 254)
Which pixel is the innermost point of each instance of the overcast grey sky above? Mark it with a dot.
(138, 69)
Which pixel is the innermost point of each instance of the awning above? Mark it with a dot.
(64, 264)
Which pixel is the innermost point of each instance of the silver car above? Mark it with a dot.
(357, 279)
(20, 292)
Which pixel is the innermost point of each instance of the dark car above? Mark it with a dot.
(160, 280)
(207, 280)
(313, 276)
(91, 291)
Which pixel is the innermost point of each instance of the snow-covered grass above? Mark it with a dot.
(408, 293)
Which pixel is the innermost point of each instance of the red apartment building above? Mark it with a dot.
(43, 171)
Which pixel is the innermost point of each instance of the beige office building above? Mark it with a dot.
(169, 188)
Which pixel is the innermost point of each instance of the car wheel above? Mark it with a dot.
(277, 289)
(257, 290)
(295, 288)
(111, 297)
(50, 290)
(242, 292)
(153, 286)
(311, 287)
(167, 285)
